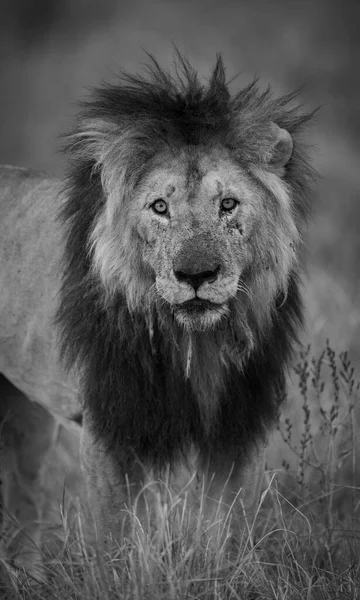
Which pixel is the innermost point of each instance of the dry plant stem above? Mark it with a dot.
(350, 388)
(334, 394)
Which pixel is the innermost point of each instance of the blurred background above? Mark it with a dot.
(53, 51)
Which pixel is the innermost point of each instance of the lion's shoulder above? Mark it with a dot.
(25, 197)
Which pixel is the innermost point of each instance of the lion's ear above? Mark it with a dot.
(90, 140)
(282, 148)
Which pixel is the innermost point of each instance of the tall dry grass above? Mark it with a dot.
(304, 542)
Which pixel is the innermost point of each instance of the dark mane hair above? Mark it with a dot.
(139, 401)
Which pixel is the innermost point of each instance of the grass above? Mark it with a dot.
(305, 542)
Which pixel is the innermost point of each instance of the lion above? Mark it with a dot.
(159, 288)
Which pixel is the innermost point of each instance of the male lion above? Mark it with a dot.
(178, 307)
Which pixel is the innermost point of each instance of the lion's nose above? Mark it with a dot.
(197, 279)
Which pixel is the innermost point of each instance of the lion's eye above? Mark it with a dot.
(159, 206)
(228, 204)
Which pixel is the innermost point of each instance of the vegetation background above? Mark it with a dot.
(52, 52)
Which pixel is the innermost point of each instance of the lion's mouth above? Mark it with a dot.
(200, 315)
(197, 306)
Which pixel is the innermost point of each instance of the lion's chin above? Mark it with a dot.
(199, 315)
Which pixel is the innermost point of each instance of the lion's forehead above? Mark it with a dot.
(192, 176)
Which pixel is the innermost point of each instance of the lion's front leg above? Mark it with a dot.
(27, 434)
(232, 495)
(20, 529)
(114, 485)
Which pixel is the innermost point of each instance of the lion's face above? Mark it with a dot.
(207, 231)
(194, 200)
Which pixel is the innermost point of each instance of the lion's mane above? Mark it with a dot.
(131, 356)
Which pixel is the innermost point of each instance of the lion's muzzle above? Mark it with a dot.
(197, 262)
